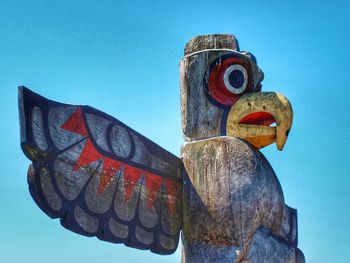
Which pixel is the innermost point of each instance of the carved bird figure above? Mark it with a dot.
(101, 178)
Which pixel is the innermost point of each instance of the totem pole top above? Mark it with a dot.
(104, 179)
(215, 41)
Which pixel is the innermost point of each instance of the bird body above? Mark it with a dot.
(231, 191)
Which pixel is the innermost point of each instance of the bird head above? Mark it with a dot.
(221, 95)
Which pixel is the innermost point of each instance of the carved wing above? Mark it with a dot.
(100, 177)
(289, 229)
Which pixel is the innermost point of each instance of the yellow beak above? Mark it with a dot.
(250, 117)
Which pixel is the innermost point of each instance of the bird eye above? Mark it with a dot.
(228, 77)
(236, 78)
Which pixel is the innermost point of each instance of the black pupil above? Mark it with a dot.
(236, 78)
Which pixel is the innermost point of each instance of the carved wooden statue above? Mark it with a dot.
(103, 179)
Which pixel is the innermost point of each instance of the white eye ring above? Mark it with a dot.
(227, 78)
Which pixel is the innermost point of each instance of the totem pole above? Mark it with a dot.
(104, 179)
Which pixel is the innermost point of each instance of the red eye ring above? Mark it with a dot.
(215, 86)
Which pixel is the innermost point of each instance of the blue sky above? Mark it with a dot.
(122, 57)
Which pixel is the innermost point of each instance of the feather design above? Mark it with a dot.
(100, 177)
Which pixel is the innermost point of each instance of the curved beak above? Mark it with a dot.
(251, 116)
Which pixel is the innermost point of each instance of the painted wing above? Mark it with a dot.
(100, 177)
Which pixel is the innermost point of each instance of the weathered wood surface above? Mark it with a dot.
(268, 248)
(231, 190)
(216, 41)
(201, 116)
(289, 229)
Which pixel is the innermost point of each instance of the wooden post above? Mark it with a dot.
(233, 205)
